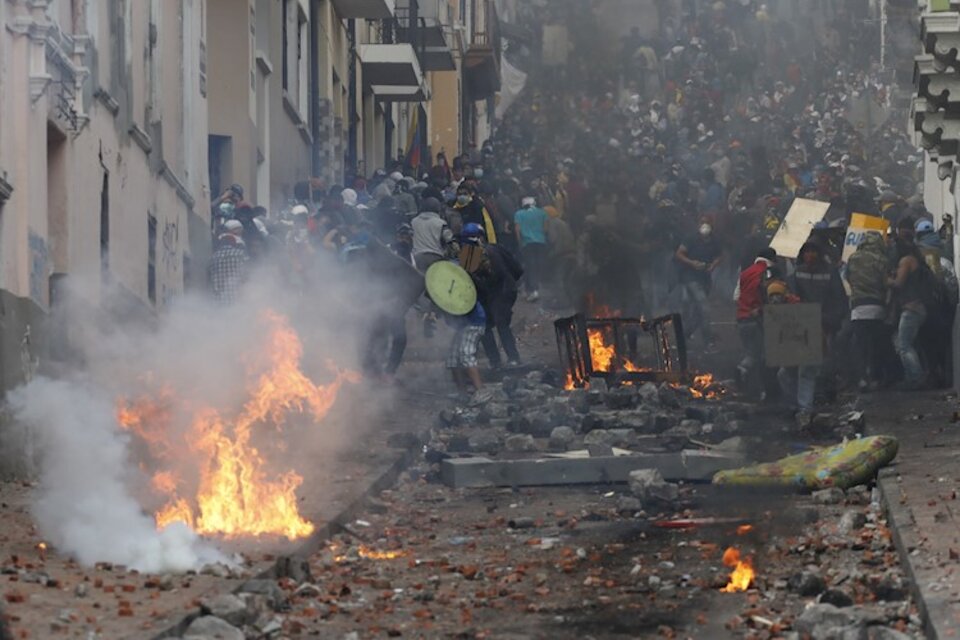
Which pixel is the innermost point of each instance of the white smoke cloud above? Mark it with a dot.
(84, 506)
(95, 502)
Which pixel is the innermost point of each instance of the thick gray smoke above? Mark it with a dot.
(95, 500)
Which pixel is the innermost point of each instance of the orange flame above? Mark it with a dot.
(743, 574)
(368, 553)
(235, 493)
(374, 554)
(601, 353)
(703, 386)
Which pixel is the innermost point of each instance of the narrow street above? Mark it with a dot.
(419, 559)
(479, 319)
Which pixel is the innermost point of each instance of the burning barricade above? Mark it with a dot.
(624, 401)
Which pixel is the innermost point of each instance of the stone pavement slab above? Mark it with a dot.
(689, 465)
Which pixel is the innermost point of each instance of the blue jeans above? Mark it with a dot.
(799, 383)
(910, 323)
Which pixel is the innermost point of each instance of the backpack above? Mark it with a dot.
(933, 292)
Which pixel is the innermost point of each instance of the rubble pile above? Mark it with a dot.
(529, 414)
(424, 560)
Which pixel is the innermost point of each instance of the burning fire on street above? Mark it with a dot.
(235, 492)
(704, 386)
(743, 573)
(369, 553)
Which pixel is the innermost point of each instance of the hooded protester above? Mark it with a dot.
(817, 281)
(496, 275)
(432, 236)
(867, 277)
(930, 245)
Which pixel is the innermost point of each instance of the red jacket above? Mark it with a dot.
(751, 290)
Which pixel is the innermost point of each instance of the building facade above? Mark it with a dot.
(935, 119)
(102, 157)
(121, 121)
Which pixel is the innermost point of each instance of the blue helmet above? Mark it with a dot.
(472, 232)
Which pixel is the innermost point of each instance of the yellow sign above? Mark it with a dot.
(860, 225)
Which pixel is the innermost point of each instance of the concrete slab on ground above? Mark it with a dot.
(688, 465)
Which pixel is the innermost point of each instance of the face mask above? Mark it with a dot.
(226, 208)
(463, 200)
(705, 230)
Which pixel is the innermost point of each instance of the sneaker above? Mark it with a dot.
(534, 296)
(513, 363)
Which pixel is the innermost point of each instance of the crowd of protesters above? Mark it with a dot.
(392, 228)
(650, 177)
(675, 158)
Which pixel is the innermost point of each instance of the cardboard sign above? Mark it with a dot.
(860, 225)
(792, 335)
(797, 225)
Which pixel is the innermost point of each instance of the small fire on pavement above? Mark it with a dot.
(743, 574)
(369, 553)
(210, 475)
(704, 386)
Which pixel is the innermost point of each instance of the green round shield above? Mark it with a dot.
(451, 288)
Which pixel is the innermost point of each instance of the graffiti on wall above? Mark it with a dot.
(39, 259)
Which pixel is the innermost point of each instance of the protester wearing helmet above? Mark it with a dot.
(495, 271)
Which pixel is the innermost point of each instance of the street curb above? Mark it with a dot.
(933, 607)
(322, 533)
